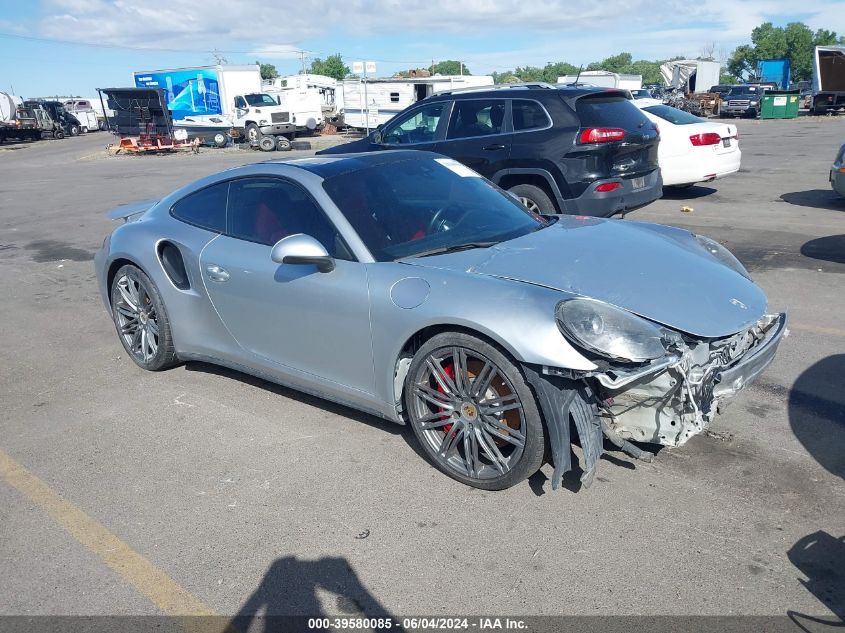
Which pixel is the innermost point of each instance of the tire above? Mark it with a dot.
(282, 144)
(513, 438)
(267, 143)
(84, 130)
(253, 134)
(138, 311)
(220, 140)
(534, 198)
(300, 145)
(101, 125)
(74, 130)
(59, 134)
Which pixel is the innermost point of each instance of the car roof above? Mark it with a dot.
(533, 89)
(329, 165)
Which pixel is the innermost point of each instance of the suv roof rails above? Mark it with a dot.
(526, 86)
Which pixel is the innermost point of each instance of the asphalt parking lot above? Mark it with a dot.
(248, 496)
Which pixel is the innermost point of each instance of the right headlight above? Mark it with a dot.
(610, 331)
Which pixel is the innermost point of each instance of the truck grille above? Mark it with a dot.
(280, 117)
(738, 103)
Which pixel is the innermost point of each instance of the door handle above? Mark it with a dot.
(217, 273)
(494, 147)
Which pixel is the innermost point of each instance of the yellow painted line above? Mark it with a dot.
(817, 329)
(148, 579)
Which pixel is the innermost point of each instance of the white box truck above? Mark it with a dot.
(210, 99)
(828, 79)
(604, 78)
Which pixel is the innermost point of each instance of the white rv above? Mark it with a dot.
(327, 90)
(84, 111)
(368, 104)
(605, 79)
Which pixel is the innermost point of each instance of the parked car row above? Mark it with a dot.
(564, 149)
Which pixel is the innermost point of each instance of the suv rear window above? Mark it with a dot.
(608, 111)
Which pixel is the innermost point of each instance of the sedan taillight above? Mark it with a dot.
(709, 138)
(601, 135)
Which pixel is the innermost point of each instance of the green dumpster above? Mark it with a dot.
(780, 104)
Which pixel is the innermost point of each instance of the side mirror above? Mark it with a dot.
(378, 137)
(302, 249)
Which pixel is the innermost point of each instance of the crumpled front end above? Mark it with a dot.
(666, 401)
(670, 403)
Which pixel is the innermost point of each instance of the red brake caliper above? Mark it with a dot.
(449, 370)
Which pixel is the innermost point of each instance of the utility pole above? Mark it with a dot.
(302, 55)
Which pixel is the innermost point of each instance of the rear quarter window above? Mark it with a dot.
(529, 115)
(609, 111)
(205, 208)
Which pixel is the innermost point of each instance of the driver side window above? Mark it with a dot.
(240, 103)
(418, 126)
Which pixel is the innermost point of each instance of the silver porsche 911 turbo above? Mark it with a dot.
(405, 285)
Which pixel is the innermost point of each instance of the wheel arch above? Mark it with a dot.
(541, 178)
(116, 264)
(422, 335)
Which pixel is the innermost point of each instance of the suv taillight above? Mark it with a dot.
(710, 138)
(601, 135)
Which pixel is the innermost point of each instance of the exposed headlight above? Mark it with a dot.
(753, 102)
(610, 331)
(722, 254)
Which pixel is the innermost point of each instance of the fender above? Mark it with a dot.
(531, 171)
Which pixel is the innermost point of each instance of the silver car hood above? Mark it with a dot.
(658, 272)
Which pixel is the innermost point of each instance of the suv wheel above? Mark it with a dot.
(535, 199)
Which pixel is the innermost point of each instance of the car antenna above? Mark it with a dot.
(578, 76)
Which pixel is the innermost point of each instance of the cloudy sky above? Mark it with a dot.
(74, 46)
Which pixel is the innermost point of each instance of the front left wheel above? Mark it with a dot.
(141, 319)
(473, 413)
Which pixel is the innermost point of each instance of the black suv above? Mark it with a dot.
(584, 150)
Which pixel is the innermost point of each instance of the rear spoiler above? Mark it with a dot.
(131, 211)
(599, 92)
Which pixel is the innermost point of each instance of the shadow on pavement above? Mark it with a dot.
(820, 557)
(816, 199)
(687, 193)
(287, 598)
(816, 413)
(830, 248)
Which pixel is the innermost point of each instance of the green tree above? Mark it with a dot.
(552, 71)
(615, 64)
(449, 67)
(268, 71)
(795, 42)
(332, 66)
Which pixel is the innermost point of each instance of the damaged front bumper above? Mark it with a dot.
(665, 402)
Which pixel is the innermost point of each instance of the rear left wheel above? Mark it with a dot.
(141, 319)
(533, 198)
(473, 413)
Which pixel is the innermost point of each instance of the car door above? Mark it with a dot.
(292, 315)
(479, 134)
(418, 128)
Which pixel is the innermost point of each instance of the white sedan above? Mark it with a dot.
(692, 149)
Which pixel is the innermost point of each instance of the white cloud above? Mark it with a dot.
(576, 30)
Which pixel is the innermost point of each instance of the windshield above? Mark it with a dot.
(641, 94)
(673, 115)
(260, 100)
(419, 205)
(743, 90)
